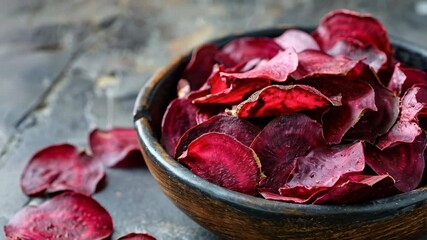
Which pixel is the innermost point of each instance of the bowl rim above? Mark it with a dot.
(162, 159)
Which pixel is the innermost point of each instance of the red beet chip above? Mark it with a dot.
(268, 194)
(413, 102)
(178, 118)
(357, 97)
(315, 63)
(282, 140)
(298, 40)
(279, 100)
(357, 36)
(216, 82)
(200, 66)
(322, 168)
(245, 49)
(137, 236)
(277, 69)
(67, 216)
(374, 123)
(239, 89)
(406, 129)
(397, 79)
(222, 160)
(117, 147)
(413, 77)
(59, 168)
(240, 129)
(404, 162)
(401, 132)
(357, 188)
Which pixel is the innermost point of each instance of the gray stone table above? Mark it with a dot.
(56, 55)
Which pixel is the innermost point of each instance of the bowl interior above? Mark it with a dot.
(161, 89)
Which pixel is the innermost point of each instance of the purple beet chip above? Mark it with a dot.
(178, 118)
(222, 160)
(117, 147)
(69, 216)
(59, 168)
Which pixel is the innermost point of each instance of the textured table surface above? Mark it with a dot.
(56, 55)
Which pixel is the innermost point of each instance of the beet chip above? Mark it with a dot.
(397, 79)
(279, 100)
(117, 147)
(137, 236)
(322, 168)
(298, 40)
(243, 50)
(240, 129)
(277, 69)
(67, 216)
(222, 160)
(357, 36)
(357, 188)
(178, 118)
(375, 123)
(413, 77)
(200, 66)
(59, 168)
(268, 194)
(315, 63)
(281, 141)
(239, 89)
(406, 129)
(357, 97)
(404, 162)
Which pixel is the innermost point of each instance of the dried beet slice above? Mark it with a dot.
(268, 194)
(178, 118)
(413, 102)
(358, 34)
(357, 98)
(200, 66)
(397, 79)
(240, 129)
(207, 111)
(357, 188)
(245, 49)
(369, 55)
(238, 90)
(61, 167)
(279, 100)
(401, 132)
(217, 83)
(137, 236)
(117, 147)
(322, 168)
(315, 63)
(374, 123)
(413, 77)
(298, 40)
(281, 141)
(224, 161)
(277, 69)
(406, 129)
(67, 216)
(404, 162)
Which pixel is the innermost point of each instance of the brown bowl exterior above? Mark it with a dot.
(234, 215)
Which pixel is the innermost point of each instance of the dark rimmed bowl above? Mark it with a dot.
(233, 215)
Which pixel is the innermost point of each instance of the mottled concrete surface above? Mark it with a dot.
(56, 54)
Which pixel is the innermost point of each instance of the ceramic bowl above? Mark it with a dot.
(233, 215)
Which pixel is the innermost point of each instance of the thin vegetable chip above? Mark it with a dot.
(117, 147)
(223, 160)
(59, 168)
(137, 236)
(69, 216)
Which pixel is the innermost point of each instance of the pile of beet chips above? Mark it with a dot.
(327, 117)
